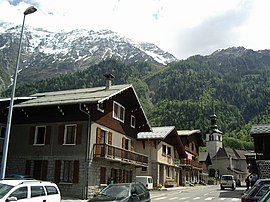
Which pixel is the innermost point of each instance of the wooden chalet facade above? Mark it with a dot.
(78, 138)
(259, 161)
(192, 168)
(165, 151)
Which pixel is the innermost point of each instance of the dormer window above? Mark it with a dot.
(132, 121)
(100, 107)
(3, 131)
(118, 112)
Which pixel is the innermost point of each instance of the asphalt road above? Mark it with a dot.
(199, 193)
(192, 194)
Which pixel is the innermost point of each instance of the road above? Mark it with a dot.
(199, 193)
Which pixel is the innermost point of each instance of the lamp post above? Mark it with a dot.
(28, 11)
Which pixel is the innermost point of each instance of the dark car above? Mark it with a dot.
(265, 197)
(123, 192)
(255, 193)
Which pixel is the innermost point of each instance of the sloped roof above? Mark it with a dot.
(260, 129)
(85, 95)
(229, 152)
(167, 134)
(157, 133)
(205, 157)
(186, 133)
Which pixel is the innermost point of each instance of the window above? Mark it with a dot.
(118, 112)
(132, 121)
(100, 107)
(51, 190)
(3, 131)
(37, 191)
(68, 171)
(20, 193)
(164, 150)
(40, 133)
(70, 134)
(169, 151)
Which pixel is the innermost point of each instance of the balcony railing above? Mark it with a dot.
(113, 153)
(189, 162)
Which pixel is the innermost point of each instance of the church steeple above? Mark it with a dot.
(213, 136)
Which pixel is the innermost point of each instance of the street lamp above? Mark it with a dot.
(28, 11)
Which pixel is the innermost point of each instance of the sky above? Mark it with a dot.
(181, 27)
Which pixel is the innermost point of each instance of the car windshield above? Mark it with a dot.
(116, 190)
(4, 189)
(227, 177)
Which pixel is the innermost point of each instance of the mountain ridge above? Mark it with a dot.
(49, 53)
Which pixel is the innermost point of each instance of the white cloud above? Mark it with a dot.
(181, 27)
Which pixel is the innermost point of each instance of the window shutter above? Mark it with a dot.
(123, 142)
(98, 141)
(79, 134)
(44, 169)
(28, 167)
(123, 147)
(61, 134)
(110, 143)
(57, 171)
(32, 135)
(76, 172)
(48, 135)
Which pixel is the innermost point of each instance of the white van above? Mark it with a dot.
(147, 181)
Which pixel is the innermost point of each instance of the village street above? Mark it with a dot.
(187, 194)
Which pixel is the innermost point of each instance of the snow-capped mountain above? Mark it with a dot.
(47, 53)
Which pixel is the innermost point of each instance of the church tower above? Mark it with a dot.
(213, 137)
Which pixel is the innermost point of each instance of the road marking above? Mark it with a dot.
(209, 198)
(183, 198)
(173, 198)
(235, 199)
(206, 194)
(196, 198)
(222, 199)
(160, 198)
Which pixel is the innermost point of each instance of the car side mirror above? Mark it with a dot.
(13, 198)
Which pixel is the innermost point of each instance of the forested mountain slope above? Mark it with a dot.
(233, 83)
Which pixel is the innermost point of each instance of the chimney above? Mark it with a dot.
(109, 78)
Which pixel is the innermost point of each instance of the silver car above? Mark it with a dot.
(227, 181)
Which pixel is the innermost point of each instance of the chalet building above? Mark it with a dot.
(259, 161)
(164, 148)
(81, 139)
(191, 167)
(205, 160)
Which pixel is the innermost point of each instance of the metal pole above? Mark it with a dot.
(29, 10)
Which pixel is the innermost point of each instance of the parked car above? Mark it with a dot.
(123, 192)
(255, 193)
(29, 190)
(265, 197)
(227, 181)
(262, 181)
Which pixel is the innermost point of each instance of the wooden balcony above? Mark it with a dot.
(123, 156)
(189, 162)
